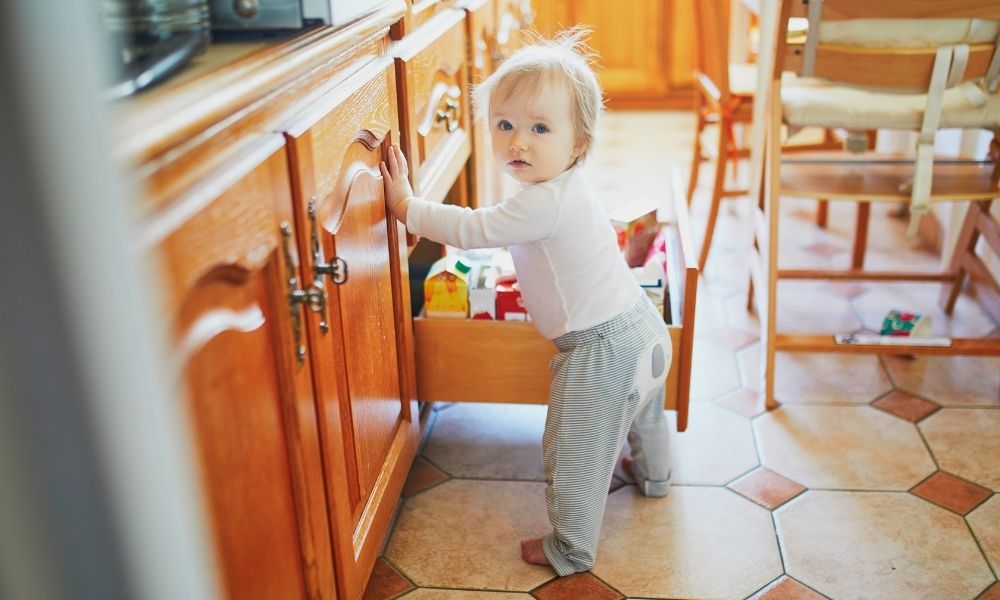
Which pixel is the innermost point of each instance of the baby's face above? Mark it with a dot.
(533, 135)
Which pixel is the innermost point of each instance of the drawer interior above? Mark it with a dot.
(464, 360)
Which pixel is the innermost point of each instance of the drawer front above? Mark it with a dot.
(435, 115)
(481, 30)
(508, 361)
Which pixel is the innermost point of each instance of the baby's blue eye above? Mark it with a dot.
(504, 126)
(539, 128)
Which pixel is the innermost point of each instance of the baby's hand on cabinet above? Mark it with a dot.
(397, 184)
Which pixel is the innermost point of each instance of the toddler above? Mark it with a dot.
(542, 104)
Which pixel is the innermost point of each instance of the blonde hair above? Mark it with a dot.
(566, 59)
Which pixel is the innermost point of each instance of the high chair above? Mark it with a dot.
(724, 96)
(916, 65)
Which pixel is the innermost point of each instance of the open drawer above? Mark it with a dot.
(460, 360)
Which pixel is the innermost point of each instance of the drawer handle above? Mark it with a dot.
(448, 114)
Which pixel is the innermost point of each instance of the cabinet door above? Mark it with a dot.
(249, 394)
(481, 30)
(361, 340)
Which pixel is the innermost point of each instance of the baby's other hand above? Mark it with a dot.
(397, 185)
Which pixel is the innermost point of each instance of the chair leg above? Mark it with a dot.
(968, 236)
(696, 158)
(822, 213)
(717, 189)
(861, 235)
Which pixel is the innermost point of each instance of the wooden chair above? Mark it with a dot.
(946, 73)
(724, 93)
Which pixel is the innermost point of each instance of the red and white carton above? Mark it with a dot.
(483, 292)
(510, 304)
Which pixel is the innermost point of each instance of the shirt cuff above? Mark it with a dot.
(414, 215)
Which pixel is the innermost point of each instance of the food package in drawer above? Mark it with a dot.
(636, 225)
(446, 288)
(652, 275)
(483, 292)
(510, 304)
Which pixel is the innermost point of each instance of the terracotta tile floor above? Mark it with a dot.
(875, 478)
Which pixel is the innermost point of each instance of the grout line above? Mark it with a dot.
(975, 538)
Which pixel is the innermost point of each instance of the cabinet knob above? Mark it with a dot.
(246, 8)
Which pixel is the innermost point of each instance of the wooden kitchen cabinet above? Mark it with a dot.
(228, 261)
(354, 254)
(286, 281)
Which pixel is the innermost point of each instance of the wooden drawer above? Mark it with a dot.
(507, 361)
(434, 112)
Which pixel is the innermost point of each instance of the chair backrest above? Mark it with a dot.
(888, 43)
(711, 42)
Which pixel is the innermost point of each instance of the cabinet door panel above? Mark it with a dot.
(363, 369)
(250, 397)
(435, 113)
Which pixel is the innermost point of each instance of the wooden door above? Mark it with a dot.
(645, 47)
(363, 369)
(225, 248)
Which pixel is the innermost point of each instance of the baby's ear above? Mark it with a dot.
(580, 147)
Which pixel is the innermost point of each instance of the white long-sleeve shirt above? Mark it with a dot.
(571, 272)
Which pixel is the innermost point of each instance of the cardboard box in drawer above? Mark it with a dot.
(483, 292)
(635, 223)
(510, 304)
(446, 288)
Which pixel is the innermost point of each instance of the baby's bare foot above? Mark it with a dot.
(531, 552)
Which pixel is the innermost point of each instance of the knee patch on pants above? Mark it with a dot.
(652, 367)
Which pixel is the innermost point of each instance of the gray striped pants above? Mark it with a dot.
(607, 382)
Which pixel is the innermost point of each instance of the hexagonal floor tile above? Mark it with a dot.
(949, 380)
(466, 533)
(814, 312)
(713, 372)
(985, 524)
(965, 442)
(806, 377)
(842, 447)
(489, 441)
(698, 542)
(850, 545)
(716, 448)
(710, 313)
